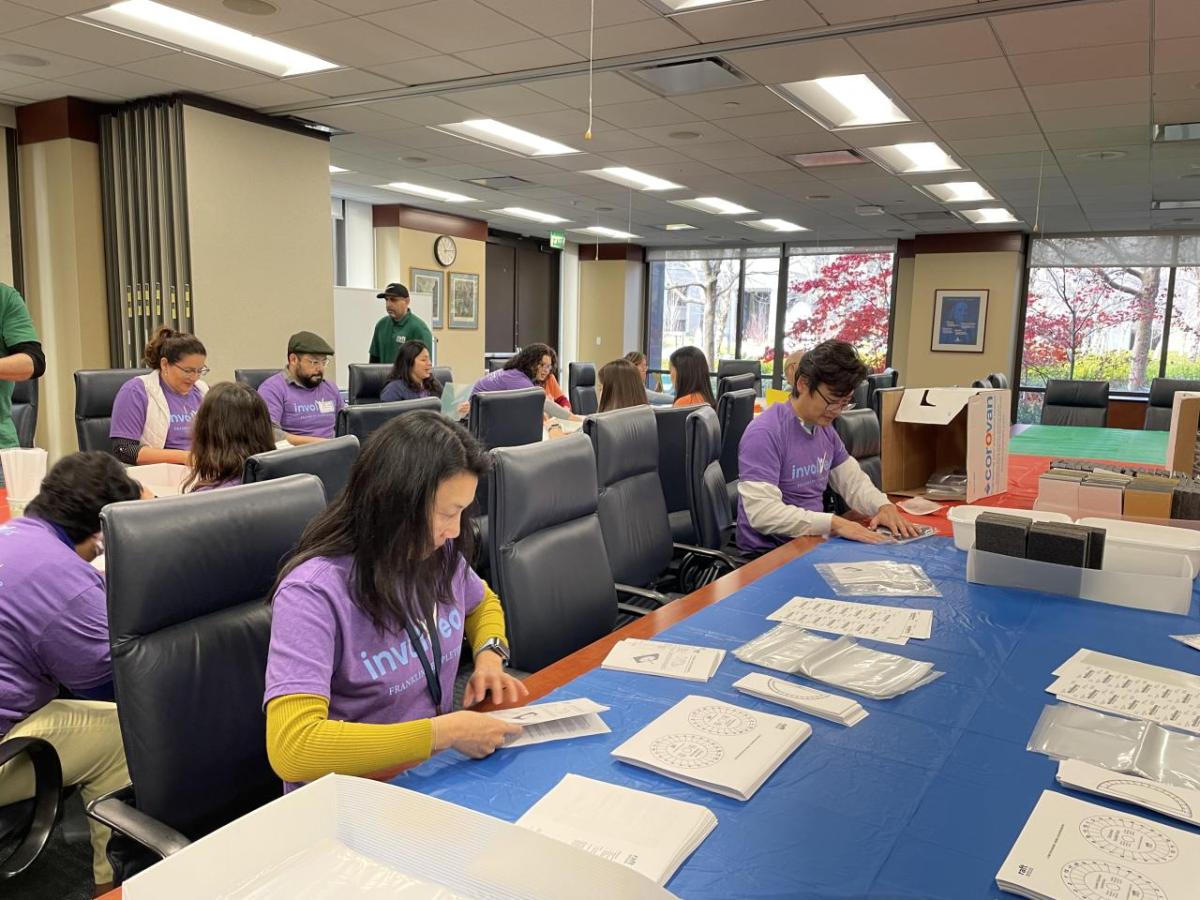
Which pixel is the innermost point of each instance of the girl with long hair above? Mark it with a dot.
(620, 386)
(412, 375)
(689, 374)
(233, 423)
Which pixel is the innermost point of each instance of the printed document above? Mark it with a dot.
(1175, 801)
(889, 624)
(1131, 688)
(841, 710)
(556, 721)
(661, 658)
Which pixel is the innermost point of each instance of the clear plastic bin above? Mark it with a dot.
(1138, 536)
(963, 520)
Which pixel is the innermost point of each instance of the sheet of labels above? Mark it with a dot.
(889, 624)
(1131, 688)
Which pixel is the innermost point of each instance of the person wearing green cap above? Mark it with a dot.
(302, 403)
(399, 325)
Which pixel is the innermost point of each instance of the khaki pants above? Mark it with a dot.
(88, 740)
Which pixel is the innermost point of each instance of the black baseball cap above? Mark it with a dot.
(395, 289)
(307, 342)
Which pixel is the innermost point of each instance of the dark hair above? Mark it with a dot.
(691, 374)
(620, 386)
(382, 519)
(231, 424)
(77, 487)
(637, 357)
(832, 363)
(402, 368)
(530, 358)
(172, 346)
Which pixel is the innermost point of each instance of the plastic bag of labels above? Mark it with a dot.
(1131, 746)
(842, 663)
(877, 578)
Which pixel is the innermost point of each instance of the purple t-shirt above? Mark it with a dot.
(129, 413)
(777, 449)
(503, 380)
(323, 644)
(53, 620)
(228, 482)
(308, 412)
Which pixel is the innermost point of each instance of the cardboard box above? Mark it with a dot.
(1181, 443)
(926, 429)
(164, 479)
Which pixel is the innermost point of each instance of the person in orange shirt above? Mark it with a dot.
(689, 374)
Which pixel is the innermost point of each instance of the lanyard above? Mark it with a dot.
(433, 674)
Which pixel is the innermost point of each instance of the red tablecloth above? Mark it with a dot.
(1023, 474)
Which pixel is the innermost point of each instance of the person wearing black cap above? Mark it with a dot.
(302, 403)
(398, 326)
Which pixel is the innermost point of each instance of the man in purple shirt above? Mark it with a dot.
(791, 453)
(302, 404)
(54, 634)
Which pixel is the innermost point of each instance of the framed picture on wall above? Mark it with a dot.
(959, 320)
(428, 283)
(464, 300)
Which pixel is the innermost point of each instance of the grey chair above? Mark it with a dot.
(444, 374)
(494, 361)
(735, 412)
(981, 383)
(363, 419)
(1162, 397)
(254, 377)
(712, 519)
(1075, 403)
(729, 367)
(367, 381)
(744, 382)
(25, 411)
(671, 424)
(329, 460)
(860, 432)
(998, 380)
(581, 378)
(95, 392)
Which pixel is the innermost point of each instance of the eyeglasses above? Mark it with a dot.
(836, 405)
(193, 373)
(318, 361)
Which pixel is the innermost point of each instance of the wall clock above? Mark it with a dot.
(445, 251)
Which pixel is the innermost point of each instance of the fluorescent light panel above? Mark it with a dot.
(505, 137)
(1179, 131)
(520, 212)
(679, 226)
(774, 225)
(715, 205)
(828, 158)
(678, 6)
(335, 170)
(633, 178)
(603, 231)
(147, 19)
(404, 187)
(1175, 204)
(913, 159)
(842, 101)
(956, 191)
(988, 215)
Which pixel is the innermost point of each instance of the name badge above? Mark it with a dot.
(325, 406)
(400, 339)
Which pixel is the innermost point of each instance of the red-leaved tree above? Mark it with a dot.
(849, 299)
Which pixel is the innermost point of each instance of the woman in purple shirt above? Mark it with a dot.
(412, 375)
(152, 414)
(54, 634)
(233, 424)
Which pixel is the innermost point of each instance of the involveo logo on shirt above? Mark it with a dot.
(812, 469)
(399, 655)
(182, 418)
(305, 408)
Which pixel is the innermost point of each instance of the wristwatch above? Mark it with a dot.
(497, 646)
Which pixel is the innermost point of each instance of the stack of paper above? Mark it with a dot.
(1191, 640)
(1177, 802)
(1074, 850)
(1131, 688)
(890, 624)
(841, 710)
(661, 658)
(555, 721)
(715, 746)
(650, 834)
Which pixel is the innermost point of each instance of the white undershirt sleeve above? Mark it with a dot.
(768, 514)
(855, 487)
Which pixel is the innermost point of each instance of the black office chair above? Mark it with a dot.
(878, 381)
(671, 424)
(1162, 397)
(366, 382)
(25, 827)
(363, 419)
(254, 377)
(981, 383)
(998, 380)
(25, 411)
(1075, 403)
(730, 367)
(444, 374)
(494, 361)
(860, 432)
(329, 460)
(877, 402)
(735, 411)
(95, 392)
(862, 394)
(549, 565)
(189, 663)
(582, 391)
(712, 520)
(736, 383)
(895, 374)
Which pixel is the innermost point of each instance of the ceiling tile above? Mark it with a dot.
(60, 7)
(364, 7)
(744, 164)
(428, 69)
(1178, 55)
(988, 127)
(273, 93)
(287, 15)
(1075, 94)
(968, 148)
(646, 112)
(352, 42)
(818, 59)
(839, 11)
(1084, 25)
(813, 142)
(1175, 18)
(746, 20)
(121, 83)
(57, 64)
(1177, 111)
(606, 139)
(772, 124)
(1176, 85)
(452, 25)
(1096, 138)
(721, 150)
(929, 45)
(1127, 114)
(12, 80)
(965, 106)
(362, 119)
(196, 73)
(426, 111)
(1089, 63)
(951, 78)
(87, 42)
(521, 55)
(52, 90)
(746, 101)
(888, 134)
(661, 134)
(343, 82)
(645, 156)
(566, 16)
(13, 16)
(607, 88)
(507, 100)
(636, 37)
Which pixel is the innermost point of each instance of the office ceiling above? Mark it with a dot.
(1050, 108)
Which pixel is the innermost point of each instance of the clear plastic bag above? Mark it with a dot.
(877, 578)
(782, 648)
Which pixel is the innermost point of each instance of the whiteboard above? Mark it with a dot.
(355, 312)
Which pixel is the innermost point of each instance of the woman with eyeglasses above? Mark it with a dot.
(533, 366)
(791, 453)
(152, 414)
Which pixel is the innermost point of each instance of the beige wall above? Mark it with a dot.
(6, 262)
(998, 273)
(258, 215)
(64, 274)
(398, 251)
(901, 322)
(602, 288)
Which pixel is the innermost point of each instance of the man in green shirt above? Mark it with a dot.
(398, 326)
(21, 356)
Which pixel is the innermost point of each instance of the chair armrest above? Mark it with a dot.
(47, 797)
(653, 596)
(114, 811)
(715, 555)
(631, 609)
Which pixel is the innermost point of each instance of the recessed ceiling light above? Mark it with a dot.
(679, 226)
(335, 170)
(1180, 131)
(1175, 204)
(913, 159)
(683, 135)
(1103, 155)
(519, 212)
(251, 7)
(773, 225)
(827, 158)
(405, 187)
(843, 101)
(988, 215)
(676, 6)
(956, 191)
(23, 59)
(608, 232)
(147, 19)
(715, 205)
(505, 137)
(633, 178)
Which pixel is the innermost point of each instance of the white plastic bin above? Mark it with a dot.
(963, 520)
(1133, 537)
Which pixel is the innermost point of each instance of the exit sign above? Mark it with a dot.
(558, 240)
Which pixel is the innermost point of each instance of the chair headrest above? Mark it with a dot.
(728, 367)
(583, 374)
(625, 442)
(1162, 390)
(1077, 393)
(859, 431)
(25, 391)
(507, 418)
(366, 380)
(542, 485)
(361, 420)
(96, 389)
(703, 432)
(727, 383)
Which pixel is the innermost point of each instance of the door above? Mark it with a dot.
(500, 316)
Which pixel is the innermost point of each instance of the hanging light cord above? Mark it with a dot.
(587, 135)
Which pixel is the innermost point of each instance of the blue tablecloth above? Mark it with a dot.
(923, 798)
